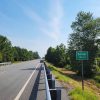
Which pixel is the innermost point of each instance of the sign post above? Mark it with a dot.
(82, 55)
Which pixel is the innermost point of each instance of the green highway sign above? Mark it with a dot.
(82, 55)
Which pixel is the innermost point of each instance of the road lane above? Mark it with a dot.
(13, 78)
(26, 84)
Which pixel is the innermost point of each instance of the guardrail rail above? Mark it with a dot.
(48, 96)
(51, 92)
(5, 63)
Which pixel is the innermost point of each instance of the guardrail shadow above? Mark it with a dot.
(33, 95)
(31, 69)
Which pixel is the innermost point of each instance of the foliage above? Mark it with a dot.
(10, 53)
(22, 54)
(0, 57)
(85, 32)
(35, 55)
(97, 78)
(97, 60)
(6, 49)
(57, 56)
(50, 56)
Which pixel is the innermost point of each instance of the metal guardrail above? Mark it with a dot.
(5, 63)
(48, 96)
(52, 93)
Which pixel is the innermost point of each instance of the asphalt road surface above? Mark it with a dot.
(17, 80)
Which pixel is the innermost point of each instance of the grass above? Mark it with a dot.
(60, 77)
(16, 62)
(57, 74)
(76, 93)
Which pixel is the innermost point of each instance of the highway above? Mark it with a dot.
(17, 80)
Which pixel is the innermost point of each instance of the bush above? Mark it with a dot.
(68, 67)
(97, 78)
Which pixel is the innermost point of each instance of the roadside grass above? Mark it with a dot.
(60, 77)
(76, 93)
(16, 62)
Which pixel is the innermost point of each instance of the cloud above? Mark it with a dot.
(56, 15)
(52, 27)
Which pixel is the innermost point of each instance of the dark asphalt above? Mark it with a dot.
(13, 77)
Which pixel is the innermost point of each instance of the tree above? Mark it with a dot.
(22, 54)
(85, 32)
(57, 56)
(6, 49)
(30, 55)
(36, 55)
(50, 56)
(0, 57)
(60, 55)
(9, 53)
(15, 54)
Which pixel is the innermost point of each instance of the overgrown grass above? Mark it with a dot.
(76, 93)
(97, 78)
(16, 62)
(57, 74)
(60, 76)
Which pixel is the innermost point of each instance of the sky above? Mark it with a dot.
(39, 24)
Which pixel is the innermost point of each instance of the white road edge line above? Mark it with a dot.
(23, 88)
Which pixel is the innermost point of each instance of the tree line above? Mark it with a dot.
(85, 37)
(57, 56)
(14, 53)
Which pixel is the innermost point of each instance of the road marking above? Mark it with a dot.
(23, 88)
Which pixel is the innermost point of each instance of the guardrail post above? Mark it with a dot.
(51, 92)
(49, 76)
(47, 71)
(55, 94)
(51, 83)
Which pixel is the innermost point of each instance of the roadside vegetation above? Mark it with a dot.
(14, 54)
(85, 36)
(73, 84)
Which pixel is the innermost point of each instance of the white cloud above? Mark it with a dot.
(52, 28)
(56, 15)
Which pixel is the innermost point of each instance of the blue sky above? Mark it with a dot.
(39, 24)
